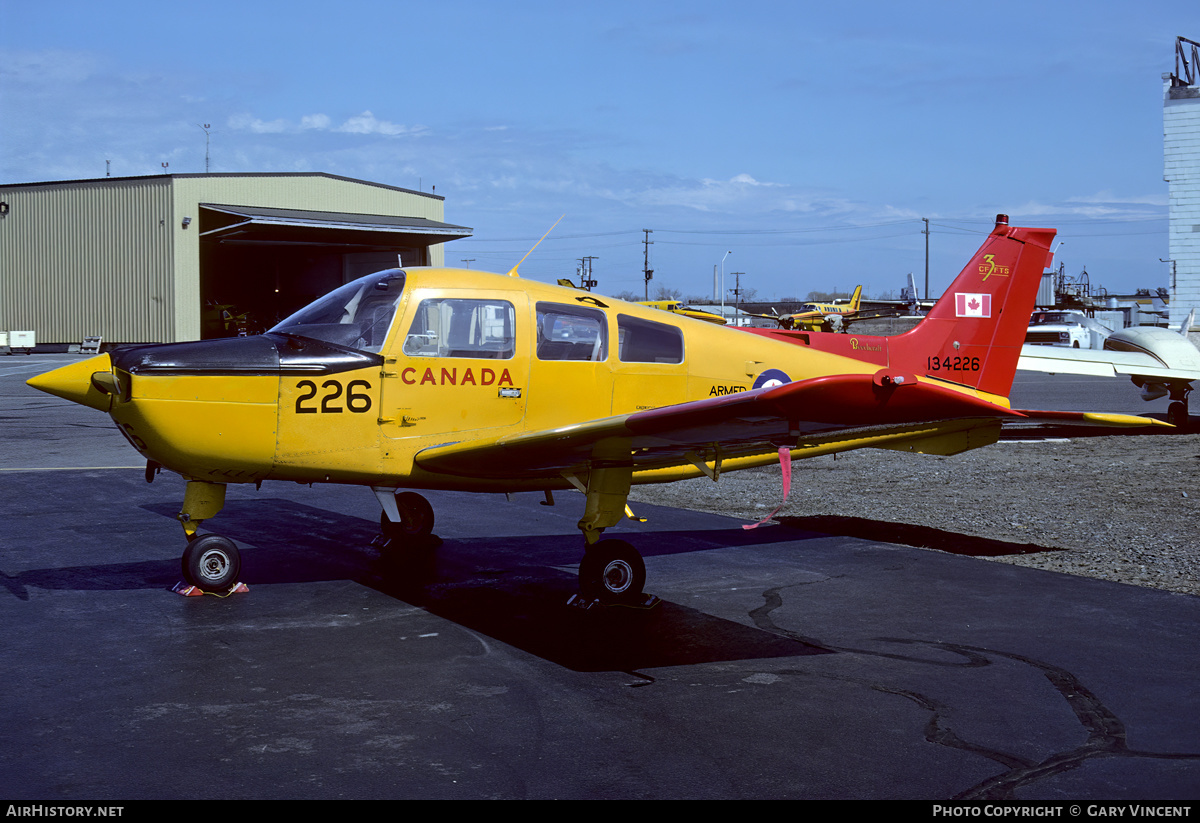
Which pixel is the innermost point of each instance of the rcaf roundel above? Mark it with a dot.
(771, 378)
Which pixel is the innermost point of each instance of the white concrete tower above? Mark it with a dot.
(1181, 170)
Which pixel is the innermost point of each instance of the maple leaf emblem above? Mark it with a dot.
(973, 305)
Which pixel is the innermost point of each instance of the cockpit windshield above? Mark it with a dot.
(357, 315)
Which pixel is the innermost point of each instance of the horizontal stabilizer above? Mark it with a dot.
(1093, 418)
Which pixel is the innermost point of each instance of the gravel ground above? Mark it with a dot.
(1119, 508)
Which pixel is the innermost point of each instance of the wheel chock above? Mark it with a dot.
(644, 601)
(188, 590)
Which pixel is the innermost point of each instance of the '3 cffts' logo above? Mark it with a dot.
(988, 268)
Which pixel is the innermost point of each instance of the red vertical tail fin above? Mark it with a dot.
(973, 334)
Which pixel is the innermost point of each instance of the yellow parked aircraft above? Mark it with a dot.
(676, 307)
(814, 316)
(428, 378)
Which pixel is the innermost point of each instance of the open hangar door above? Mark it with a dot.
(259, 265)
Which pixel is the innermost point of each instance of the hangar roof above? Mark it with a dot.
(255, 224)
(220, 176)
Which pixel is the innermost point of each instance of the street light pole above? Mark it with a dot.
(723, 283)
(926, 233)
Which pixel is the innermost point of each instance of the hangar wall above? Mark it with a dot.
(88, 256)
(122, 258)
(1181, 170)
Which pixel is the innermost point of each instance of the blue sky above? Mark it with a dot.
(806, 138)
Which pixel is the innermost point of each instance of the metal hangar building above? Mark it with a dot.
(175, 257)
(1181, 170)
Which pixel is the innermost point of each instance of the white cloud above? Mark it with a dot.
(745, 179)
(741, 193)
(1107, 198)
(1088, 207)
(315, 121)
(365, 123)
(245, 122)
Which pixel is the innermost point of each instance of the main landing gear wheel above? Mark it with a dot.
(1177, 414)
(612, 571)
(212, 563)
(416, 518)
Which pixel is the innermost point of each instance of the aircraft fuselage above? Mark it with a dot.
(286, 407)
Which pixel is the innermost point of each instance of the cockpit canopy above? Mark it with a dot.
(357, 316)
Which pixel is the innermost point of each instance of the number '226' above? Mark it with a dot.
(356, 398)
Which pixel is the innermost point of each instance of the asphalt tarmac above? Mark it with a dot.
(779, 664)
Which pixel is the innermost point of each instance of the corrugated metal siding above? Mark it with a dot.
(1045, 295)
(88, 258)
(111, 257)
(1181, 170)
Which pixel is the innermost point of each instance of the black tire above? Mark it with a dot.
(612, 571)
(1177, 414)
(416, 517)
(212, 563)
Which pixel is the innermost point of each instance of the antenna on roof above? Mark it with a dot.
(513, 271)
(206, 127)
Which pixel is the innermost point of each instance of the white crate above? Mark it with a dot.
(21, 339)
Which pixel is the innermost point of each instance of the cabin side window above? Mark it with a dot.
(458, 327)
(571, 333)
(644, 341)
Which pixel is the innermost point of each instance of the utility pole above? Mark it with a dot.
(585, 273)
(1172, 262)
(926, 233)
(468, 261)
(647, 272)
(737, 292)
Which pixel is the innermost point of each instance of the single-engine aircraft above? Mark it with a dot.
(435, 378)
(1159, 361)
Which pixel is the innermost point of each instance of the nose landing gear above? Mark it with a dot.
(210, 563)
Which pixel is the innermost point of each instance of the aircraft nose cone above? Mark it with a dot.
(74, 382)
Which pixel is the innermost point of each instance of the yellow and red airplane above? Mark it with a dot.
(815, 316)
(433, 378)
